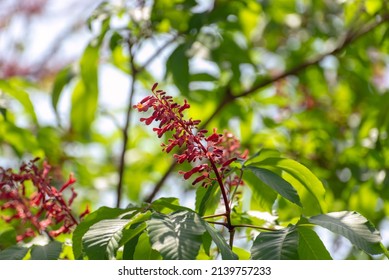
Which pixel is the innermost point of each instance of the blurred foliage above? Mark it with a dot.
(227, 58)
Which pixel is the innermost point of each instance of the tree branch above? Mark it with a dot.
(350, 37)
(126, 135)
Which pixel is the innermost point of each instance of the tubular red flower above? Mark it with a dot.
(219, 149)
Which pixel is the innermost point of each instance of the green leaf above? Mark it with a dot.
(178, 65)
(144, 251)
(263, 197)
(49, 141)
(7, 236)
(207, 242)
(278, 184)
(276, 245)
(93, 218)
(129, 247)
(50, 251)
(130, 239)
(13, 253)
(249, 18)
(85, 94)
(102, 239)
(207, 199)
(202, 77)
(167, 205)
(63, 78)
(132, 232)
(373, 6)
(241, 253)
(310, 245)
(21, 140)
(176, 236)
(354, 227)
(15, 90)
(261, 155)
(309, 188)
(220, 242)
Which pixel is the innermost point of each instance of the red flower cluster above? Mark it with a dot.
(219, 149)
(30, 199)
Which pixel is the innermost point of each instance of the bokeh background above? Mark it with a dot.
(308, 78)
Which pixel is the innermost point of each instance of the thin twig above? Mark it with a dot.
(214, 216)
(242, 225)
(126, 135)
(158, 52)
(255, 227)
(218, 223)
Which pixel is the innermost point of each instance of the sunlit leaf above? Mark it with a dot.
(167, 205)
(309, 188)
(176, 236)
(241, 253)
(310, 245)
(18, 92)
(93, 218)
(102, 239)
(373, 6)
(20, 139)
(276, 245)
(354, 227)
(276, 183)
(178, 66)
(63, 78)
(85, 93)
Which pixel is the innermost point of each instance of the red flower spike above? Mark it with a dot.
(219, 149)
(42, 209)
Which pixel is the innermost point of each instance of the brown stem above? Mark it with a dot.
(223, 190)
(232, 234)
